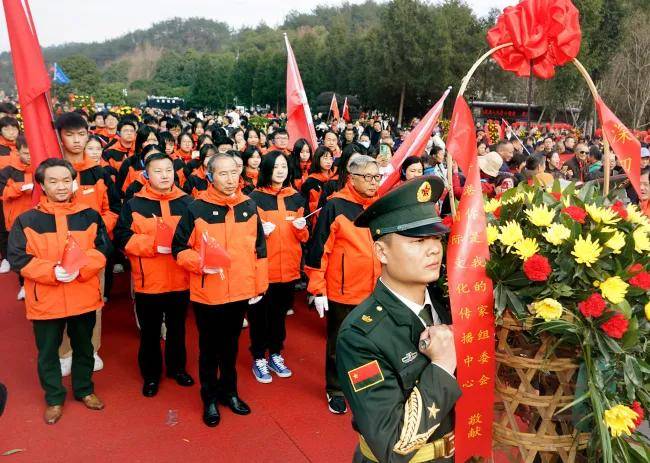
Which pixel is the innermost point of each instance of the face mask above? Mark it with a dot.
(365, 144)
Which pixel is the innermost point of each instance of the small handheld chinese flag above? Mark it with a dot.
(164, 233)
(213, 255)
(74, 258)
(346, 111)
(334, 108)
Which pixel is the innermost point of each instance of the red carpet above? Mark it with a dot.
(289, 423)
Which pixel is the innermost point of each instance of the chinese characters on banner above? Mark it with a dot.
(471, 297)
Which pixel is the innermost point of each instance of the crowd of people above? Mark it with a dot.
(209, 210)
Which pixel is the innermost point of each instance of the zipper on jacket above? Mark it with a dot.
(141, 271)
(203, 280)
(342, 271)
(35, 295)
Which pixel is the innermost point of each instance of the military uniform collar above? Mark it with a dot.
(395, 308)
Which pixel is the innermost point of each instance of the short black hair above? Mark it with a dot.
(149, 148)
(127, 121)
(266, 169)
(8, 121)
(70, 121)
(595, 153)
(205, 149)
(21, 142)
(280, 131)
(173, 122)
(223, 141)
(408, 162)
(164, 138)
(39, 175)
(81, 112)
(98, 113)
(321, 151)
(157, 157)
(111, 113)
(8, 108)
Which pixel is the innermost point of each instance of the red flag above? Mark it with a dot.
(213, 256)
(334, 108)
(415, 143)
(33, 83)
(164, 233)
(471, 298)
(346, 111)
(622, 142)
(73, 257)
(299, 120)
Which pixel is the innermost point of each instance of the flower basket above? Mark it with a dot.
(533, 382)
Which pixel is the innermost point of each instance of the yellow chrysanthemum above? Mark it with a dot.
(641, 240)
(616, 242)
(556, 234)
(526, 248)
(492, 205)
(548, 309)
(492, 234)
(586, 251)
(634, 215)
(602, 214)
(510, 233)
(540, 216)
(516, 198)
(620, 420)
(614, 289)
(647, 311)
(608, 229)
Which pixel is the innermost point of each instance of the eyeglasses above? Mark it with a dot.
(583, 152)
(368, 177)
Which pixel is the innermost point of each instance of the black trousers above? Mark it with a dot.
(335, 316)
(4, 234)
(48, 335)
(219, 328)
(267, 320)
(150, 309)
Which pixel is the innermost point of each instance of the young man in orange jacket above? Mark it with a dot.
(221, 218)
(56, 297)
(144, 232)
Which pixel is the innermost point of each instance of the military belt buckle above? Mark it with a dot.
(450, 448)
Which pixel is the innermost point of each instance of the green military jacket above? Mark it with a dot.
(399, 399)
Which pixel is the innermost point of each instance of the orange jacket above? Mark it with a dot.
(36, 245)
(312, 188)
(8, 151)
(135, 233)
(14, 200)
(283, 248)
(340, 260)
(196, 183)
(115, 154)
(235, 224)
(97, 190)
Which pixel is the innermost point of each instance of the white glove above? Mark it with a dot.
(255, 300)
(268, 228)
(63, 276)
(299, 223)
(163, 250)
(321, 305)
(27, 187)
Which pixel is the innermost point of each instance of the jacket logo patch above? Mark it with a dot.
(87, 191)
(408, 358)
(215, 212)
(366, 376)
(366, 318)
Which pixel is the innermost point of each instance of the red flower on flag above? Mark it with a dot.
(576, 213)
(74, 258)
(537, 268)
(593, 306)
(641, 280)
(616, 326)
(544, 33)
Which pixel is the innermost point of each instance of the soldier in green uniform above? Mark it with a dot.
(395, 351)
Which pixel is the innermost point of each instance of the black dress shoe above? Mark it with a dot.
(211, 415)
(182, 378)
(150, 388)
(237, 405)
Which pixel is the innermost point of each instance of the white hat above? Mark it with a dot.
(490, 163)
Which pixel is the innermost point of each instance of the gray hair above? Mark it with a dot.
(361, 162)
(213, 159)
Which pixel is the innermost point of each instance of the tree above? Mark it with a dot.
(116, 72)
(83, 73)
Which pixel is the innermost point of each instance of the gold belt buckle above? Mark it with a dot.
(450, 448)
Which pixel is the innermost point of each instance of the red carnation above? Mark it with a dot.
(641, 280)
(576, 213)
(636, 406)
(619, 208)
(616, 326)
(593, 306)
(537, 268)
(497, 212)
(557, 196)
(635, 268)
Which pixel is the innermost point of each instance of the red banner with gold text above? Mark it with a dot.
(471, 298)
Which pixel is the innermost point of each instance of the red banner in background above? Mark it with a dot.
(471, 298)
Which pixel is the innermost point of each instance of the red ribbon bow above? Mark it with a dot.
(544, 32)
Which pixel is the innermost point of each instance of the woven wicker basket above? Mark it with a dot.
(533, 381)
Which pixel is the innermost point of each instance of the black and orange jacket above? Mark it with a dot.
(106, 137)
(196, 183)
(8, 151)
(135, 233)
(97, 190)
(115, 154)
(304, 173)
(14, 200)
(130, 170)
(283, 248)
(235, 224)
(36, 245)
(340, 260)
(312, 188)
(135, 186)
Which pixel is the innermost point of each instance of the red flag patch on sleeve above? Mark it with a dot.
(366, 376)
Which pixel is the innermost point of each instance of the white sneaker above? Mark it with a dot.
(66, 366)
(99, 363)
(4, 266)
(290, 312)
(21, 294)
(118, 268)
(244, 324)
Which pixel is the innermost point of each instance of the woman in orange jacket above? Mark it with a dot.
(60, 247)
(319, 173)
(251, 158)
(144, 231)
(281, 211)
(300, 163)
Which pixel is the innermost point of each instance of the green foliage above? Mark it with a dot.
(83, 73)
(116, 72)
